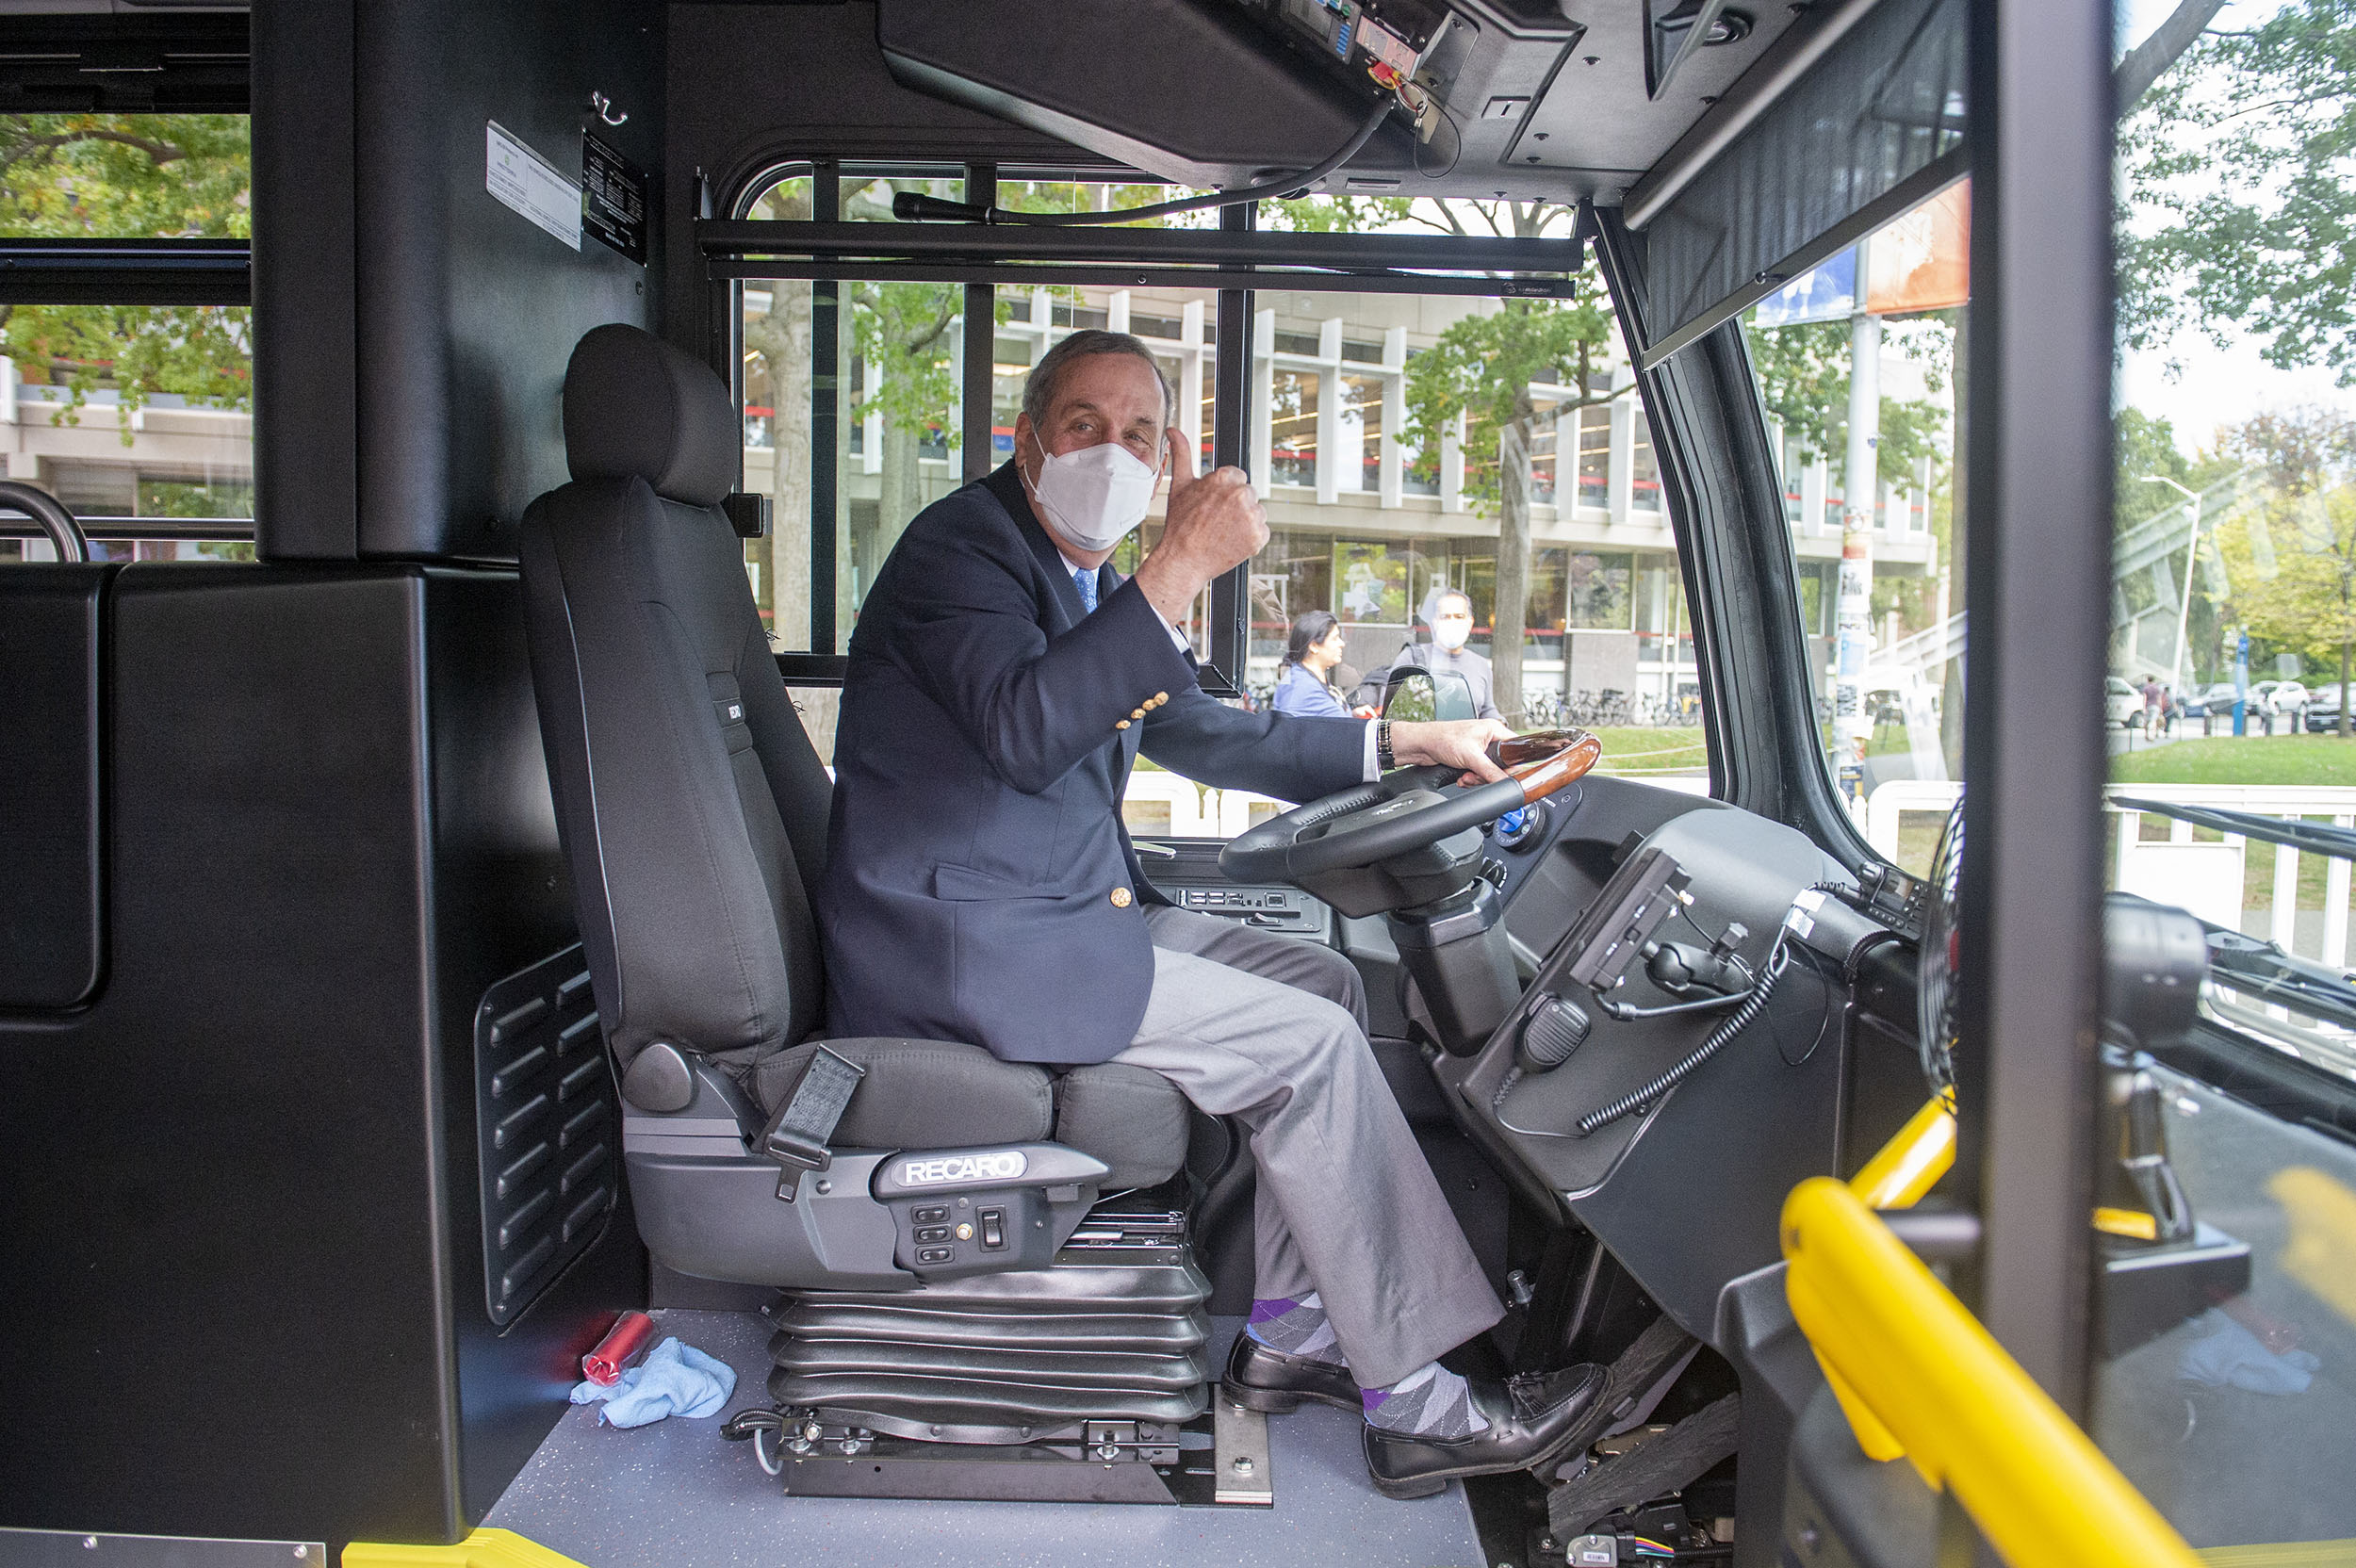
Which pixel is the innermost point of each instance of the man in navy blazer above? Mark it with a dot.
(981, 887)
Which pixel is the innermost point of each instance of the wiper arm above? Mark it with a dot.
(2313, 837)
(2265, 973)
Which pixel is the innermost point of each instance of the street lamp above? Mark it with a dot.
(2192, 551)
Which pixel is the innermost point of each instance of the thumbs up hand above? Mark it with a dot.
(1213, 523)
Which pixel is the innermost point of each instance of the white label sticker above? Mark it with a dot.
(531, 184)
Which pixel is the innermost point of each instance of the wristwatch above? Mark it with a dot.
(1385, 760)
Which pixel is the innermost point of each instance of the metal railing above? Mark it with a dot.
(2208, 878)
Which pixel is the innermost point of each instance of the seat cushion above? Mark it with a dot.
(1133, 1120)
(924, 1094)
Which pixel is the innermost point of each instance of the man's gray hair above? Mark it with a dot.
(1038, 394)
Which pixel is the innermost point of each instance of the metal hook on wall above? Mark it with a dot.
(604, 106)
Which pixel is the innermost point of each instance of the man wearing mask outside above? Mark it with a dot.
(1451, 619)
(981, 886)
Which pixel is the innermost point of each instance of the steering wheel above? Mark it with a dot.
(1397, 814)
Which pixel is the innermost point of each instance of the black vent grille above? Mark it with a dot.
(549, 1121)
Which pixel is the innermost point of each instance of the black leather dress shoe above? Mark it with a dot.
(1265, 1380)
(1532, 1422)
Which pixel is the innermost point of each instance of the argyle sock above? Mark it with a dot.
(1296, 1327)
(1431, 1402)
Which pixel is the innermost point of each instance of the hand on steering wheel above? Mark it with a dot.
(1461, 744)
(1400, 812)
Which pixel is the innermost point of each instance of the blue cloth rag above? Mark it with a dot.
(2228, 1355)
(674, 1379)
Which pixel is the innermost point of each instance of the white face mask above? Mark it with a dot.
(1451, 633)
(1094, 496)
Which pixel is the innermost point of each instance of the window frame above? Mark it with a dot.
(133, 273)
(1233, 259)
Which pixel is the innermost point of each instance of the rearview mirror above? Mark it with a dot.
(1415, 695)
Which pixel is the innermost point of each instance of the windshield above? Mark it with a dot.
(2233, 773)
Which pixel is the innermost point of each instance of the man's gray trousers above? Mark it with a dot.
(1272, 1030)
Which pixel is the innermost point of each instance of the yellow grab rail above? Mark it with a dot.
(1911, 1163)
(1896, 1342)
(484, 1548)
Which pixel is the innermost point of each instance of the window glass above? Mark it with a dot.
(128, 411)
(2233, 573)
(1859, 388)
(1376, 427)
(897, 442)
(1293, 423)
(1416, 503)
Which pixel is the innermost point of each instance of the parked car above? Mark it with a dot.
(2211, 704)
(2123, 704)
(2323, 710)
(2282, 697)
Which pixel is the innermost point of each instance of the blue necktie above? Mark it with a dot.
(1086, 583)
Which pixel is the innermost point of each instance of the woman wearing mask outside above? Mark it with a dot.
(1304, 689)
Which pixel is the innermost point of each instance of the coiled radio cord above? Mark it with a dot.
(1729, 1026)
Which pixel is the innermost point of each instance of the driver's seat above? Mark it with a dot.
(692, 810)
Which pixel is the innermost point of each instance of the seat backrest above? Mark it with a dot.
(691, 805)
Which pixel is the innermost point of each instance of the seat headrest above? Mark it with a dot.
(635, 405)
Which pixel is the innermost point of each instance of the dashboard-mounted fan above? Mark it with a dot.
(1938, 990)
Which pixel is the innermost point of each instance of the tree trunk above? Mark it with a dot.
(2155, 54)
(2345, 691)
(844, 604)
(786, 579)
(902, 494)
(1508, 617)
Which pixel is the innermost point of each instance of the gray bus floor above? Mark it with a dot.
(675, 1495)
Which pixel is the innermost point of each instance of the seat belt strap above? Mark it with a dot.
(796, 1136)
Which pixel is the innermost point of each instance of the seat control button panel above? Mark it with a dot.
(935, 1215)
(993, 1223)
(932, 1232)
(935, 1254)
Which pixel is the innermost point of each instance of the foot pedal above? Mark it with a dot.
(1240, 1453)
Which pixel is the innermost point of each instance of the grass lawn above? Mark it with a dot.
(2243, 759)
(1647, 753)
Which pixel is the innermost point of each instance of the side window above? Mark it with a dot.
(130, 412)
(1856, 365)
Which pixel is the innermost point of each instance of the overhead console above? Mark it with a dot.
(1202, 92)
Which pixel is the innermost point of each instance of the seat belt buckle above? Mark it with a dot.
(797, 1136)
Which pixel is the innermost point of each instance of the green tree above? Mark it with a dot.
(129, 176)
(2293, 557)
(2307, 604)
(2241, 167)
(778, 347)
(1486, 368)
(1803, 374)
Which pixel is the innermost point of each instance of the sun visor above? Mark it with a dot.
(1195, 91)
(1873, 126)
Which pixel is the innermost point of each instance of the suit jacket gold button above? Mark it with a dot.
(1121, 724)
(1160, 697)
(1120, 898)
(1137, 713)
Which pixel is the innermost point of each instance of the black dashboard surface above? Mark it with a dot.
(1686, 1194)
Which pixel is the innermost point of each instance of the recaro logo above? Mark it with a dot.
(999, 1166)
